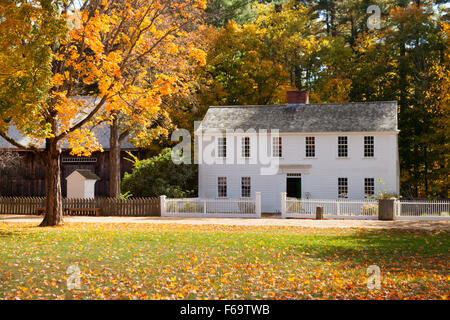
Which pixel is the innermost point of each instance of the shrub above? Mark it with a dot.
(192, 207)
(295, 207)
(369, 210)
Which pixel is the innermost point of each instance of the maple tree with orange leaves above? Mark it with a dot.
(114, 50)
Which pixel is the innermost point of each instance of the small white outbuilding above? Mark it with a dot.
(81, 184)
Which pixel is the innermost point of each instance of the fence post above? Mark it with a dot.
(338, 208)
(163, 205)
(386, 209)
(283, 205)
(319, 213)
(258, 204)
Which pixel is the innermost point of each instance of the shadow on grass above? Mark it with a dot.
(422, 225)
(383, 247)
(354, 246)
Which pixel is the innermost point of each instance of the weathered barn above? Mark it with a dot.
(26, 177)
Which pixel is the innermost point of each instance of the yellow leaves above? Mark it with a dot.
(57, 79)
(23, 289)
(200, 4)
(199, 55)
(105, 4)
(105, 84)
(172, 48)
(178, 261)
(165, 85)
(111, 52)
(166, 88)
(292, 279)
(111, 64)
(82, 142)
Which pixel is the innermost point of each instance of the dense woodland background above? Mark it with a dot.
(256, 51)
(224, 52)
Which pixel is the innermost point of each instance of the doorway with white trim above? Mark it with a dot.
(294, 185)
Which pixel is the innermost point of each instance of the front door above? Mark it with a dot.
(294, 187)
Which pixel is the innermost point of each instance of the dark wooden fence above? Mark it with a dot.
(107, 206)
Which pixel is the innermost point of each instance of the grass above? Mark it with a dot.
(147, 261)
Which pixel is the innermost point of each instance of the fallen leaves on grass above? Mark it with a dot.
(175, 261)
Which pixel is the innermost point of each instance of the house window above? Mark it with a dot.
(277, 147)
(342, 147)
(369, 149)
(369, 187)
(310, 146)
(245, 187)
(222, 187)
(246, 147)
(342, 188)
(222, 147)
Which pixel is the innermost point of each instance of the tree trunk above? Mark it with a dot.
(53, 197)
(114, 160)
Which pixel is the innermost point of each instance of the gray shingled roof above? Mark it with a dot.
(330, 117)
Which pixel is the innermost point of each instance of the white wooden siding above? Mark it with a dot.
(320, 180)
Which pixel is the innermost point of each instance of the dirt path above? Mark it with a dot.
(271, 221)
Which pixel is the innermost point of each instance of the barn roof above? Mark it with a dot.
(330, 117)
(101, 132)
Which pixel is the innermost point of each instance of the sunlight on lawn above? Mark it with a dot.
(145, 261)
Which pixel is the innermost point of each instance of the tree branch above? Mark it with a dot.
(123, 135)
(17, 144)
(84, 121)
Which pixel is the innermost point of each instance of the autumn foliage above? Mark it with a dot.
(149, 66)
(181, 261)
(327, 47)
(126, 55)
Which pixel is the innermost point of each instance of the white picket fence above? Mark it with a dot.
(212, 208)
(422, 210)
(332, 209)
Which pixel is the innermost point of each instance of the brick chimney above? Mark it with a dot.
(297, 97)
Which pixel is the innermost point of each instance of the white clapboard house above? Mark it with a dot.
(315, 151)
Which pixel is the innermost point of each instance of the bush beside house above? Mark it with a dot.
(160, 176)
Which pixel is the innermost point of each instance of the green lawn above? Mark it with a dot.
(146, 261)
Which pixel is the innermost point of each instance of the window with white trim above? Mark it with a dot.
(369, 147)
(245, 147)
(222, 147)
(342, 147)
(369, 187)
(277, 146)
(343, 188)
(245, 187)
(222, 187)
(310, 144)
